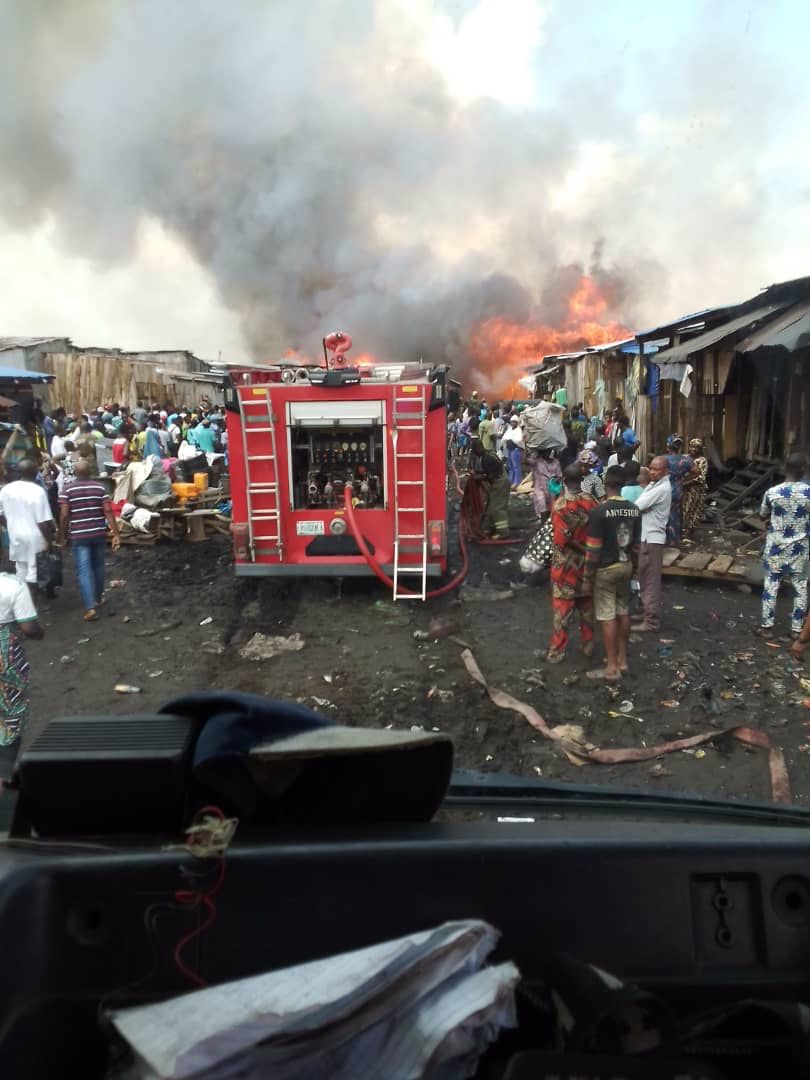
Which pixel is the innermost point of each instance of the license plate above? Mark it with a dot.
(309, 528)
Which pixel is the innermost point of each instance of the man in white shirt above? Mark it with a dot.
(513, 443)
(654, 502)
(27, 513)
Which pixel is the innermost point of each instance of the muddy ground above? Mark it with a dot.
(362, 665)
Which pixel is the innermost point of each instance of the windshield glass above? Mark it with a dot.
(439, 368)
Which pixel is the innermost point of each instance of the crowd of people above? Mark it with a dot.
(603, 517)
(52, 495)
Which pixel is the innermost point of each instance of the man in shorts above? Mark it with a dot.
(614, 535)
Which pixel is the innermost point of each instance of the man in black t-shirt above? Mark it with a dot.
(614, 535)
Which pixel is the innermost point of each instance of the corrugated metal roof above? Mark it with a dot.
(791, 330)
(685, 349)
(26, 342)
(21, 375)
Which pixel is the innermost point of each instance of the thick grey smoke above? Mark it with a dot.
(313, 160)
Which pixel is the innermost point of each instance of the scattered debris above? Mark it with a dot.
(570, 680)
(116, 583)
(626, 707)
(658, 770)
(442, 695)
(125, 688)
(155, 674)
(670, 703)
(328, 678)
(421, 635)
(321, 701)
(66, 659)
(207, 621)
(83, 641)
(214, 648)
(534, 677)
(444, 626)
(126, 618)
(262, 647)
(700, 753)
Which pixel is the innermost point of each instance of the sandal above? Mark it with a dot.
(91, 615)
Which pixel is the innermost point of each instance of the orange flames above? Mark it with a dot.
(501, 351)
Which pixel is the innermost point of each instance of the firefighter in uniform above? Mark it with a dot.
(487, 470)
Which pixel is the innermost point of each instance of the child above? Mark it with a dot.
(632, 488)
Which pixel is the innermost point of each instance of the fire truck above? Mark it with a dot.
(339, 470)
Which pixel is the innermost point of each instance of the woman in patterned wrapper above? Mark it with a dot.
(18, 619)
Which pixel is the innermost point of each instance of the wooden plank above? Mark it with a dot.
(697, 560)
(754, 521)
(720, 564)
(670, 556)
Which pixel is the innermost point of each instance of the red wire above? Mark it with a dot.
(191, 975)
(206, 899)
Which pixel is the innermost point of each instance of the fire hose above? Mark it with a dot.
(471, 509)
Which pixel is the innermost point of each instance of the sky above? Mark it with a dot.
(668, 138)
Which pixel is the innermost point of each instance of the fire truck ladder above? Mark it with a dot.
(410, 522)
(260, 421)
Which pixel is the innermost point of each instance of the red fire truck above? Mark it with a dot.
(339, 470)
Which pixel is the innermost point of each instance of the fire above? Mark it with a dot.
(501, 350)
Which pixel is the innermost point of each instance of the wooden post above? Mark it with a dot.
(196, 527)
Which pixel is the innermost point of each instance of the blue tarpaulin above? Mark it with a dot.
(20, 375)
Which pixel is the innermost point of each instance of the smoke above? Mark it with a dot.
(331, 172)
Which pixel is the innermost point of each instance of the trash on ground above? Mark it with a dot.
(205, 622)
(116, 583)
(328, 678)
(626, 706)
(155, 674)
(670, 703)
(125, 688)
(700, 753)
(658, 770)
(664, 650)
(66, 659)
(322, 701)
(421, 635)
(83, 641)
(264, 647)
(624, 716)
(534, 677)
(444, 626)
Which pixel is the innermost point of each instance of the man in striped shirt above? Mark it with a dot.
(84, 509)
